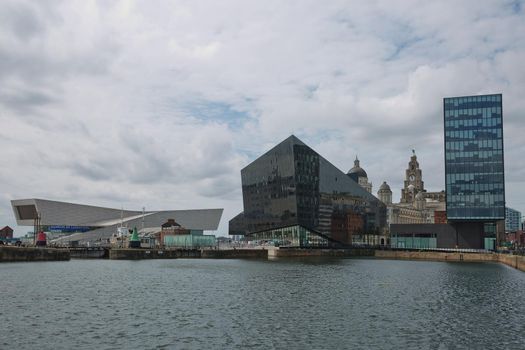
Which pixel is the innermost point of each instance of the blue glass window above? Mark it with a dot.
(474, 158)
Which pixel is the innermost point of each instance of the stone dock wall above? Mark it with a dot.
(14, 254)
(139, 254)
(235, 254)
(294, 252)
(515, 261)
(89, 253)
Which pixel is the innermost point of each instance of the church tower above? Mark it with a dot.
(413, 180)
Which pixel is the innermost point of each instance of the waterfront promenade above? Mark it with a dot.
(18, 254)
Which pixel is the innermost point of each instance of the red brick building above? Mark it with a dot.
(171, 228)
(517, 239)
(345, 225)
(440, 217)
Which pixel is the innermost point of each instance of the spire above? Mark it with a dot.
(413, 157)
(356, 161)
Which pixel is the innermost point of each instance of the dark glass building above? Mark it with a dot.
(474, 171)
(293, 196)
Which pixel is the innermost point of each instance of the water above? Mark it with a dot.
(241, 304)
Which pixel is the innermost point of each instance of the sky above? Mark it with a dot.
(160, 104)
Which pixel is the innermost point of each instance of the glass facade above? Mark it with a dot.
(293, 186)
(292, 236)
(414, 240)
(474, 169)
(190, 241)
(512, 220)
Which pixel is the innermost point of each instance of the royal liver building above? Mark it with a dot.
(417, 205)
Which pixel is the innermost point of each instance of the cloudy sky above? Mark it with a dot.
(161, 103)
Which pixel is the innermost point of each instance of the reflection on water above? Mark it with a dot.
(291, 303)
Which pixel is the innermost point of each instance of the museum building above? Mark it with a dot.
(79, 224)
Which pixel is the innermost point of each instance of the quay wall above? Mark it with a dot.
(138, 254)
(514, 261)
(89, 253)
(14, 254)
(294, 252)
(235, 254)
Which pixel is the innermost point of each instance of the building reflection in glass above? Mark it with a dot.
(292, 196)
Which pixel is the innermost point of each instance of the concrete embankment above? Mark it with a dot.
(235, 254)
(294, 252)
(89, 253)
(138, 254)
(14, 254)
(515, 261)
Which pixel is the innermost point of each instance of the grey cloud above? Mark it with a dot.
(22, 19)
(39, 47)
(94, 170)
(25, 100)
(220, 186)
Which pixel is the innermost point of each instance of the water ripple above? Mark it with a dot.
(234, 304)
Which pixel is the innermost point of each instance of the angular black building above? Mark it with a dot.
(293, 196)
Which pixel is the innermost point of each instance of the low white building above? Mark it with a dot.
(88, 224)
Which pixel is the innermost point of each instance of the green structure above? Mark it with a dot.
(190, 241)
(134, 241)
(414, 241)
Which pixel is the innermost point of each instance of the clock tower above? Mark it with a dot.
(413, 181)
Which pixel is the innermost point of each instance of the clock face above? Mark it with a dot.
(412, 177)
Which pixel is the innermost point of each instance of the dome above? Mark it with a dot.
(420, 196)
(357, 171)
(385, 187)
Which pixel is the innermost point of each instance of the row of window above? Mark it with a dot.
(475, 200)
(459, 101)
(466, 168)
(488, 178)
(486, 145)
(467, 157)
(257, 178)
(427, 241)
(466, 190)
(478, 187)
(473, 122)
(474, 134)
(488, 112)
(475, 213)
(482, 186)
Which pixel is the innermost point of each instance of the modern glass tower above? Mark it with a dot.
(512, 220)
(295, 197)
(474, 168)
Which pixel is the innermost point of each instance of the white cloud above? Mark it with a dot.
(133, 103)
